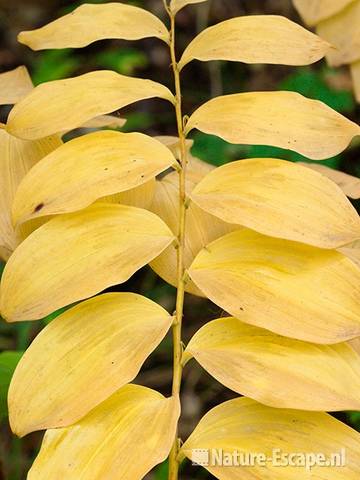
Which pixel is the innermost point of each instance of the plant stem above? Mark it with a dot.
(177, 343)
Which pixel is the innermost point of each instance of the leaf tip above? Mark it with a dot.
(186, 357)
(23, 38)
(16, 428)
(20, 214)
(3, 315)
(10, 127)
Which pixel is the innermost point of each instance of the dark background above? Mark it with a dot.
(149, 59)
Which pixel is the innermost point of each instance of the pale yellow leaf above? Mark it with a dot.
(343, 32)
(355, 74)
(281, 199)
(141, 196)
(109, 121)
(93, 349)
(244, 426)
(278, 371)
(196, 170)
(17, 157)
(176, 5)
(289, 288)
(314, 12)
(355, 344)
(349, 185)
(280, 119)
(173, 143)
(101, 163)
(62, 105)
(201, 228)
(4, 253)
(352, 251)
(123, 438)
(89, 23)
(14, 85)
(256, 39)
(76, 255)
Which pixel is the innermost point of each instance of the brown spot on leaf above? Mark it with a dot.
(38, 207)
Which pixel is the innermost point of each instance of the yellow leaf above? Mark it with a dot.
(281, 199)
(314, 12)
(244, 426)
(342, 31)
(109, 121)
(352, 251)
(14, 85)
(124, 437)
(256, 39)
(77, 255)
(281, 119)
(176, 5)
(89, 23)
(24, 230)
(278, 371)
(17, 157)
(101, 164)
(349, 185)
(173, 143)
(201, 228)
(61, 105)
(355, 344)
(289, 288)
(355, 74)
(196, 170)
(93, 349)
(141, 196)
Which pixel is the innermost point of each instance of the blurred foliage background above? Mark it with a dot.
(149, 59)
